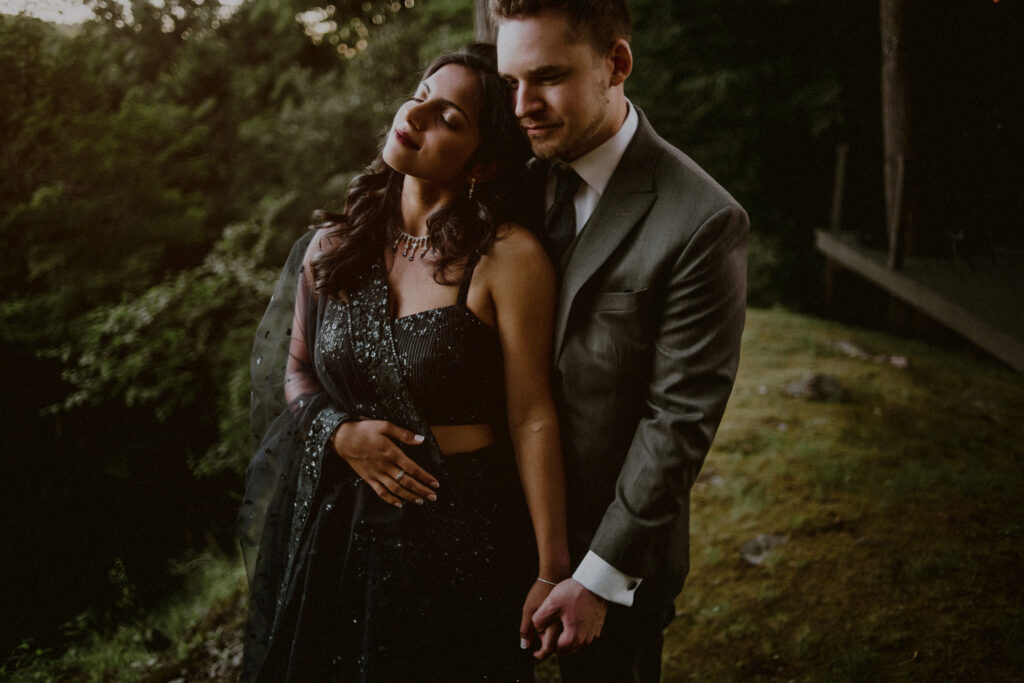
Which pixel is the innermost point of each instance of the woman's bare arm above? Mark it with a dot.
(522, 286)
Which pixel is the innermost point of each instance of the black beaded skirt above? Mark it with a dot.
(420, 593)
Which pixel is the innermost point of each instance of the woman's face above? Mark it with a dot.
(436, 132)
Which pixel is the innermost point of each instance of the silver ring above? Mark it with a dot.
(401, 473)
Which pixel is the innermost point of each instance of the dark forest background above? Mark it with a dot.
(157, 162)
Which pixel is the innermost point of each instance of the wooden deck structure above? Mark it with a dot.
(952, 140)
(982, 304)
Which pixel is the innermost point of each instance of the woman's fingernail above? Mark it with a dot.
(523, 643)
(399, 504)
(432, 497)
(418, 438)
(435, 484)
(419, 501)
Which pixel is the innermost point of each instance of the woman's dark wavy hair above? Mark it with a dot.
(465, 228)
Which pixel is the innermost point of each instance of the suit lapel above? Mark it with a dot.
(626, 199)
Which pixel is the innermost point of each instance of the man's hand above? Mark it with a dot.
(368, 448)
(580, 612)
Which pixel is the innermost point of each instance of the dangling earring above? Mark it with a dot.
(472, 186)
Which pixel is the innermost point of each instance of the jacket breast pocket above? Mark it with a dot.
(605, 358)
(617, 330)
(621, 301)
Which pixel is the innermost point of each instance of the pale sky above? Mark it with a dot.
(60, 11)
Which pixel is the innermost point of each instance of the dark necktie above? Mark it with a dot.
(561, 218)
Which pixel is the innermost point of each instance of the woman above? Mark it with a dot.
(421, 331)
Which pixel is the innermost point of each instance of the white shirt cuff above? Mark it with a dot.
(602, 579)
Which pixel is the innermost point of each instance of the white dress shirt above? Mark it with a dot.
(595, 168)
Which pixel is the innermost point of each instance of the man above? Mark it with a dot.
(650, 313)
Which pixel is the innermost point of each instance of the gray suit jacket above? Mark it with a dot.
(647, 338)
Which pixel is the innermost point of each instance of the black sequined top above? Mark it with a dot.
(449, 359)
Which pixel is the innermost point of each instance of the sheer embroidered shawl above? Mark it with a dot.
(291, 438)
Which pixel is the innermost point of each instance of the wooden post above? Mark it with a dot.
(895, 124)
(897, 226)
(485, 29)
(836, 217)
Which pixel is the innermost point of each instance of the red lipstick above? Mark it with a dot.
(404, 139)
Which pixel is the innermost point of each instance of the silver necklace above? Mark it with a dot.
(412, 244)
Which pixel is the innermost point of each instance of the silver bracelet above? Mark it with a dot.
(550, 583)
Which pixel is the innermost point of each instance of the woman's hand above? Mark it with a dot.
(527, 633)
(368, 446)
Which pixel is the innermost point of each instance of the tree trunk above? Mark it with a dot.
(486, 31)
(896, 127)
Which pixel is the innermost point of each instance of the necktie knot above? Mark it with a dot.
(561, 218)
(567, 183)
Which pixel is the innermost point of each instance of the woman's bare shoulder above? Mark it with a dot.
(517, 259)
(516, 246)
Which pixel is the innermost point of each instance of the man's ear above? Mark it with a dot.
(620, 59)
(484, 172)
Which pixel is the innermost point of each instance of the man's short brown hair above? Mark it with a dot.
(601, 21)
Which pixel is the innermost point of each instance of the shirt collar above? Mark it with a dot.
(597, 165)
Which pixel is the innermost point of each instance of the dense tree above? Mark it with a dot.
(156, 164)
(760, 93)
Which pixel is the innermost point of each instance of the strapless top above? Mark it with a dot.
(452, 365)
(450, 361)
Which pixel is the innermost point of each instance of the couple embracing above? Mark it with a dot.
(476, 440)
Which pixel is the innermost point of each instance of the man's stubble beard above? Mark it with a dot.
(561, 149)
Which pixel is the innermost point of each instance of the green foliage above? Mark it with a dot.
(207, 612)
(156, 164)
(102, 186)
(759, 93)
(184, 119)
(189, 334)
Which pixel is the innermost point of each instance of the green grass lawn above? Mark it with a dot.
(900, 508)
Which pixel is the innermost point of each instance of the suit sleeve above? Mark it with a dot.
(694, 359)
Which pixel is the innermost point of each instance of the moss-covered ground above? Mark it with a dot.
(899, 504)
(902, 509)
